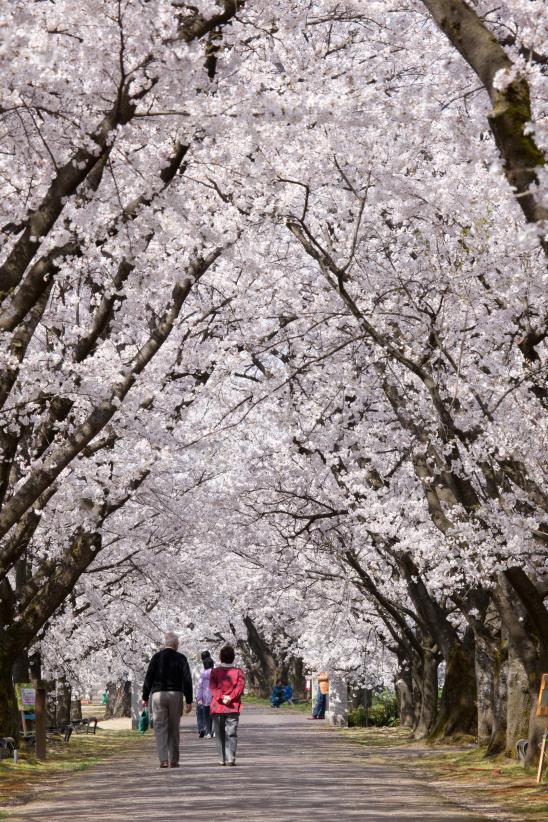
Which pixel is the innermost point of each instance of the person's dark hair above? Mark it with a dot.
(278, 682)
(208, 663)
(227, 654)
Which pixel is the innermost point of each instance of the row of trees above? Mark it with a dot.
(274, 345)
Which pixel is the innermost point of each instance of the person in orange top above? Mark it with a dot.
(321, 697)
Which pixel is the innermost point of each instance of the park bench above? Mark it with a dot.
(7, 746)
(521, 749)
(66, 731)
(86, 725)
(29, 738)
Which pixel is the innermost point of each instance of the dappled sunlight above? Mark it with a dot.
(288, 769)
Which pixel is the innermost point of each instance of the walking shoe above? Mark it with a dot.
(173, 764)
(201, 734)
(232, 764)
(209, 736)
(164, 763)
(221, 762)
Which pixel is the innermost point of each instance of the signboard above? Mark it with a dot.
(542, 704)
(26, 696)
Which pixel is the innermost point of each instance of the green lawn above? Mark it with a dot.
(19, 782)
(301, 707)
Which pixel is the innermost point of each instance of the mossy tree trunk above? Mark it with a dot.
(511, 105)
(429, 694)
(497, 742)
(519, 701)
(458, 711)
(525, 617)
(405, 698)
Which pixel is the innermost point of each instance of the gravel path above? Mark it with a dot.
(289, 769)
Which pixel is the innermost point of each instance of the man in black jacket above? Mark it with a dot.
(167, 679)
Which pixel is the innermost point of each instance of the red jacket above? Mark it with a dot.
(226, 681)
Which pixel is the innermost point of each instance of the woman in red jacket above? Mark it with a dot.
(227, 686)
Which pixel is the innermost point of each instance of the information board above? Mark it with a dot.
(26, 696)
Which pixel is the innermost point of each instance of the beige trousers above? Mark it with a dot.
(166, 712)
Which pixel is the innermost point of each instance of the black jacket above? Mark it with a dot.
(168, 670)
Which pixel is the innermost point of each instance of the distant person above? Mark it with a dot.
(167, 679)
(203, 698)
(321, 697)
(288, 693)
(277, 695)
(226, 684)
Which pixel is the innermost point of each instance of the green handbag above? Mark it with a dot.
(144, 721)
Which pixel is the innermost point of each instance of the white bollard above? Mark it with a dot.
(337, 702)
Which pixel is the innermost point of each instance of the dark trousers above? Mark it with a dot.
(204, 719)
(319, 707)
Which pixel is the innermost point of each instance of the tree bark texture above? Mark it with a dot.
(458, 711)
(118, 699)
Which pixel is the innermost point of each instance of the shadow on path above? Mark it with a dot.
(288, 770)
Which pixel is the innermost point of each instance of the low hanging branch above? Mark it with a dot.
(509, 94)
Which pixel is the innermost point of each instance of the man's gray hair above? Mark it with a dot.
(171, 640)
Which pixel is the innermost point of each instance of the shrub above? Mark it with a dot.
(383, 712)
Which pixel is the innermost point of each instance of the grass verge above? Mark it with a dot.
(301, 707)
(461, 774)
(20, 782)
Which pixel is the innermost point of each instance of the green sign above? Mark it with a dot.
(26, 696)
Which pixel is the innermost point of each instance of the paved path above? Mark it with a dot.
(289, 770)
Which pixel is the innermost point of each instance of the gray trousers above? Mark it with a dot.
(226, 735)
(166, 712)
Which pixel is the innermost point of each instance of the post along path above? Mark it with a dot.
(289, 769)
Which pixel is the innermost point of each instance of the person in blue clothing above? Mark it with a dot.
(277, 696)
(288, 693)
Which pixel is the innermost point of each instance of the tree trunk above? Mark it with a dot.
(9, 714)
(75, 709)
(20, 670)
(404, 694)
(428, 695)
(484, 664)
(497, 743)
(51, 703)
(118, 700)
(63, 700)
(526, 620)
(519, 701)
(296, 676)
(265, 667)
(458, 711)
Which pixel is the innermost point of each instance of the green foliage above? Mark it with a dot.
(382, 713)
